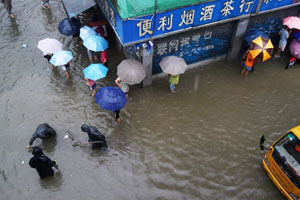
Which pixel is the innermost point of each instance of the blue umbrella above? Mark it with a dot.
(69, 26)
(86, 31)
(95, 71)
(297, 35)
(111, 98)
(95, 43)
(252, 35)
(61, 58)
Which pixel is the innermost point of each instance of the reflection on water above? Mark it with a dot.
(14, 28)
(200, 143)
(52, 183)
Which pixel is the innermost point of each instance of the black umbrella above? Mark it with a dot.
(69, 26)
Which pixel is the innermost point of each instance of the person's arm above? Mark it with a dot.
(34, 136)
(245, 55)
(117, 82)
(89, 84)
(50, 162)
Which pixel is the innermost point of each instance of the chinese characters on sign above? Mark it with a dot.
(271, 4)
(165, 22)
(143, 28)
(207, 12)
(194, 16)
(195, 45)
(227, 8)
(164, 48)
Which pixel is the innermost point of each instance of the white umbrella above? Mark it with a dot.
(49, 45)
(131, 71)
(86, 31)
(173, 65)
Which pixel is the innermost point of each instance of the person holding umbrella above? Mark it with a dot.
(95, 43)
(112, 99)
(7, 5)
(130, 72)
(173, 80)
(173, 66)
(70, 27)
(49, 46)
(63, 58)
(45, 4)
(248, 64)
(284, 35)
(92, 86)
(67, 69)
(48, 56)
(261, 49)
(92, 73)
(123, 86)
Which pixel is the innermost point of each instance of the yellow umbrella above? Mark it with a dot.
(261, 47)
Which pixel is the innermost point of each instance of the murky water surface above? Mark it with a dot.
(200, 143)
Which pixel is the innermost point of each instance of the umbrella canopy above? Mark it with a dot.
(295, 48)
(292, 22)
(49, 45)
(131, 71)
(86, 31)
(69, 27)
(173, 65)
(262, 47)
(95, 71)
(61, 58)
(297, 35)
(251, 35)
(95, 43)
(111, 98)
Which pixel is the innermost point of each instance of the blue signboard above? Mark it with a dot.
(139, 29)
(271, 4)
(190, 16)
(194, 46)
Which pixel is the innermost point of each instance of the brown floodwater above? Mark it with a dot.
(200, 143)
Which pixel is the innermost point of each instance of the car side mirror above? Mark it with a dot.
(262, 140)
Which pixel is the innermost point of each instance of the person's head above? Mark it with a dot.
(286, 28)
(37, 151)
(85, 128)
(95, 17)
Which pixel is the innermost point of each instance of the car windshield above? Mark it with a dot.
(287, 155)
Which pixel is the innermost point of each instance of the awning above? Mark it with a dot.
(74, 7)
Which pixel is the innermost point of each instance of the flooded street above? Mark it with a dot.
(200, 143)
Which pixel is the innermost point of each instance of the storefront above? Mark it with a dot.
(195, 30)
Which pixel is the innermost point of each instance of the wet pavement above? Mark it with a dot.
(200, 143)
